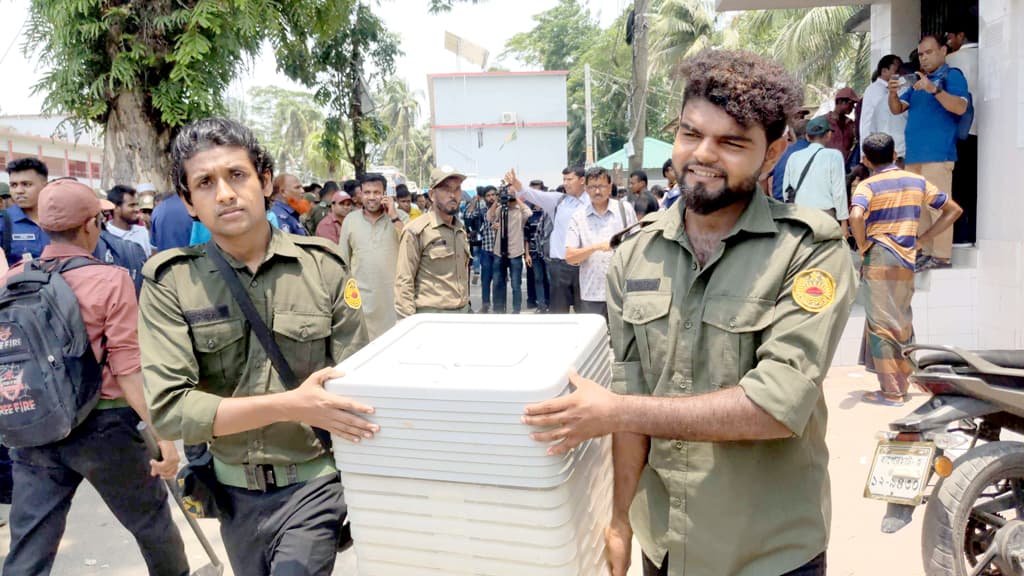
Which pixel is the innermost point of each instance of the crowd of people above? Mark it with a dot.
(219, 329)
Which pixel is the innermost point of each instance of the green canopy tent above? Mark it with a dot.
(655, 154)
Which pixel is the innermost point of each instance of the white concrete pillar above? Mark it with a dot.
(895, 28)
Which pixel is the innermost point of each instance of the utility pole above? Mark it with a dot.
(590, 122)
(638, 96)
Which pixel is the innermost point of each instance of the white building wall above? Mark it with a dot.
(895, 28)
(1000, 120)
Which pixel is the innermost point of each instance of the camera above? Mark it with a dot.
(503, 195)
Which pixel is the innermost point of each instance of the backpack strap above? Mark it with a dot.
(807, 168)
(622, 212)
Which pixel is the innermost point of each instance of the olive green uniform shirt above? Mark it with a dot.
(197, 348)
(433, 266)
(755, 508)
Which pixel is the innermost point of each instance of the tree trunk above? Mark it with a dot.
(134, 150)
(638, 98)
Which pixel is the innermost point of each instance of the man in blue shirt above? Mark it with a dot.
(288, 191)
(171, 224)
(26, 239)
(935, 104)
(799, 128)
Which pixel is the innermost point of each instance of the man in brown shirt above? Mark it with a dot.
(433, 253)
(509, 248)
(844, 130)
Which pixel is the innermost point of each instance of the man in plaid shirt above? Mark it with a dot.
(487, 235)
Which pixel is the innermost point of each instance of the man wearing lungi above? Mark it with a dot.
(884, 219)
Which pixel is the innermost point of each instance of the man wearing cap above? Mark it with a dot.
(844, 130)
(209, 379)
(106, 449)
(433, 253)
(125, 223)
(330, 226)
(147, 202)
(24, 239)
(815, 176)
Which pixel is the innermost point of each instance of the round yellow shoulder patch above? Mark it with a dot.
(352, 297)
(814, 289)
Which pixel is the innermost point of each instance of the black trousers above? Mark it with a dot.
(815, 567)
(587, 307)
(965, 190)
(107, 451)
(290, 531)
(565, 286)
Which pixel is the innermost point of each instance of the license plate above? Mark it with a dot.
(900, 472)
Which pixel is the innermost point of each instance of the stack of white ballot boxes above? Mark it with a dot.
(453, 484)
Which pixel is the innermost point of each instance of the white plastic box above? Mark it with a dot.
(453, 484)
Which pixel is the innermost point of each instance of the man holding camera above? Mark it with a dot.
(508, 217)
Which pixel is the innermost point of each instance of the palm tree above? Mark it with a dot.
(812, 44)
(679, 29)
(399, 112)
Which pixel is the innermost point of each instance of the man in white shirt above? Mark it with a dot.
(875, 115)
(125, 223)
(565, 278)
(964, 55)
(587, 243)
(815, 176)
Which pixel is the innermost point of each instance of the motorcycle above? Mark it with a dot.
(974, 500)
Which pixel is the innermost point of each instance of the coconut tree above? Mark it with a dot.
(400, 112)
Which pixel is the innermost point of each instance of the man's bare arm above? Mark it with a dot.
(723, 416)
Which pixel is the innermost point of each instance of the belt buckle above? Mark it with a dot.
(260, 477)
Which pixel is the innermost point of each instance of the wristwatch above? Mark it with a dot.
(396, 219)
(938, 90)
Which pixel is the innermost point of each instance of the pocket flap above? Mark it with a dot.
(301, 326)
(215, 336)
(734, 314)
(643, 307)
(439, 250)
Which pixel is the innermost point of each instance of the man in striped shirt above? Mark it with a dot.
(884, 219)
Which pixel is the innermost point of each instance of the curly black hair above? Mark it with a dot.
(751, 89)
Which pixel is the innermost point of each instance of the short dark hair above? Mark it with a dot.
(25, 164)
(577, 170)
(373, 177)
(536, 183)
(349, 186)
(884, 64)
(489, 188)
(751, 89)
(402, 191)
(330, 187)
(666, 167)
(799, 127)
(595, 172)
(209, 133)
(658, 191)
(117, 193)
(640, 175)
(879, 148)
(934, 36)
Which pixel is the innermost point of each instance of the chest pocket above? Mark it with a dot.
(648, 312)
(304, 339)
(220, 347)
(732, 332)
(438, 250)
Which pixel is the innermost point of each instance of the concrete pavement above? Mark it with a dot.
(95, 544)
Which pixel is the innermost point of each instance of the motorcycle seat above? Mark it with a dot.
(1003, 358)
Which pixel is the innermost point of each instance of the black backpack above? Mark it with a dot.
(49, 377)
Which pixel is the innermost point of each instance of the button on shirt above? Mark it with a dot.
(587, 228)
(433, 266)
(678, 329)
(197, 348)
(287, 218)
(824, 187)
(875, 116)
(26, 236)
(548, 201)
(931, 129)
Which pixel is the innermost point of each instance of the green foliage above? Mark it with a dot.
(179, 55)
(560, 36)
(408, 144)
(284, 120)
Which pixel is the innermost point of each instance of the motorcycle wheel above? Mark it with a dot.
(985, 493)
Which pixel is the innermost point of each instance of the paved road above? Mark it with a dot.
(95, 544)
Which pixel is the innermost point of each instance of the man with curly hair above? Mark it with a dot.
(725, 312)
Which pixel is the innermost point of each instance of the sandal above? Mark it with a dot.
(883, 399)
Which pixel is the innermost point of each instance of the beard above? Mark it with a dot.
(703, 201)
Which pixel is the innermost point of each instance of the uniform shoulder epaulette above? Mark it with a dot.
(318, 243)
(160, 262)
(822, 226)
(624, 236)
(418, 225)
